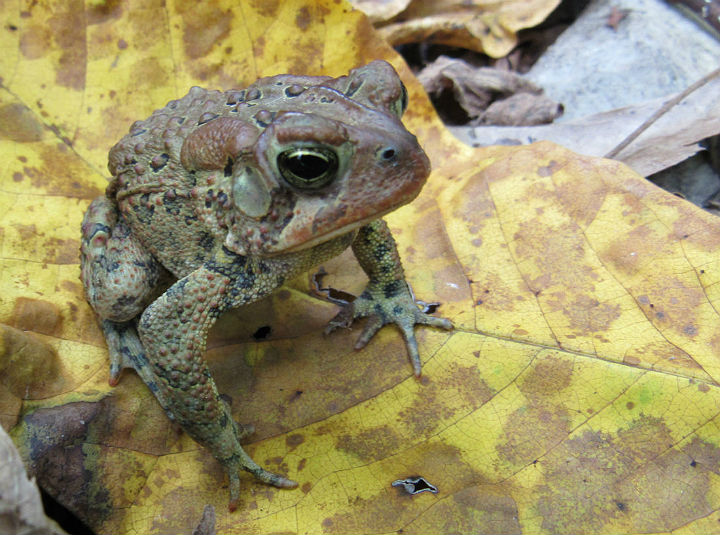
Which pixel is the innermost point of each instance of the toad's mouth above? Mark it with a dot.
(332, 234)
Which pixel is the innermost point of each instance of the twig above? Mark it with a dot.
(660, 112)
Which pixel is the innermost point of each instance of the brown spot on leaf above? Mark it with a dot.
(549, 376)
(62, 173)
(431, 224)
(532, 430)
(705, 454)
(671, 356)
(673, 303)
(35, 41)
(429, 411)
(598, 482)
(476, 509)
(36, 315)
(549, 169)
(370, 444)
(475, 205)
(266, 8)
(294, 440)
(19, 124)
(26, 232)
(277, 464)
(581, 200)
(149, 72)
(495, 294)
(549, 247)
(187, 511)
(301, 61)
(588, 316)
(71, 286)
(205, 26)
(303, 18)
(701, 233)
(100, 12)
(66, 26)
(29, 368)
(62, 251)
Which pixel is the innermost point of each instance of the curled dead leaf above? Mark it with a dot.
(21, 510)
(672, 137)
(380, 10)
(487, 95)
(207, 522)
(485, 27)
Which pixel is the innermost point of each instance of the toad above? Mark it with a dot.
(219, 198)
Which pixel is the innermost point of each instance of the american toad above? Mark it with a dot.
(218, 198)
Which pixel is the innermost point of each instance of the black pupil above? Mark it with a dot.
(307, 166)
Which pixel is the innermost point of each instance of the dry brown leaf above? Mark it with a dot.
(380, 10)
(489, 95)
(207, 523)
(672, 139)
(488, 27)
(522, 108)
(579, 391)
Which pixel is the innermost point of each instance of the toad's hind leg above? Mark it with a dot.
(126, 351)
(173, 330)
(121, 278)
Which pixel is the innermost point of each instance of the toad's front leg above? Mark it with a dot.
(173, 331)
(387, 297)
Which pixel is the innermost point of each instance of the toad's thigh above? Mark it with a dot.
(119, 275)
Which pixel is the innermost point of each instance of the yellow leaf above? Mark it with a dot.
(577, 393)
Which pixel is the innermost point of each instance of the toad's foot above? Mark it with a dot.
(125, 351)
(242, 461)
(383, 304)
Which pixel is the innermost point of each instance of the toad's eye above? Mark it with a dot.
(308, 167)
